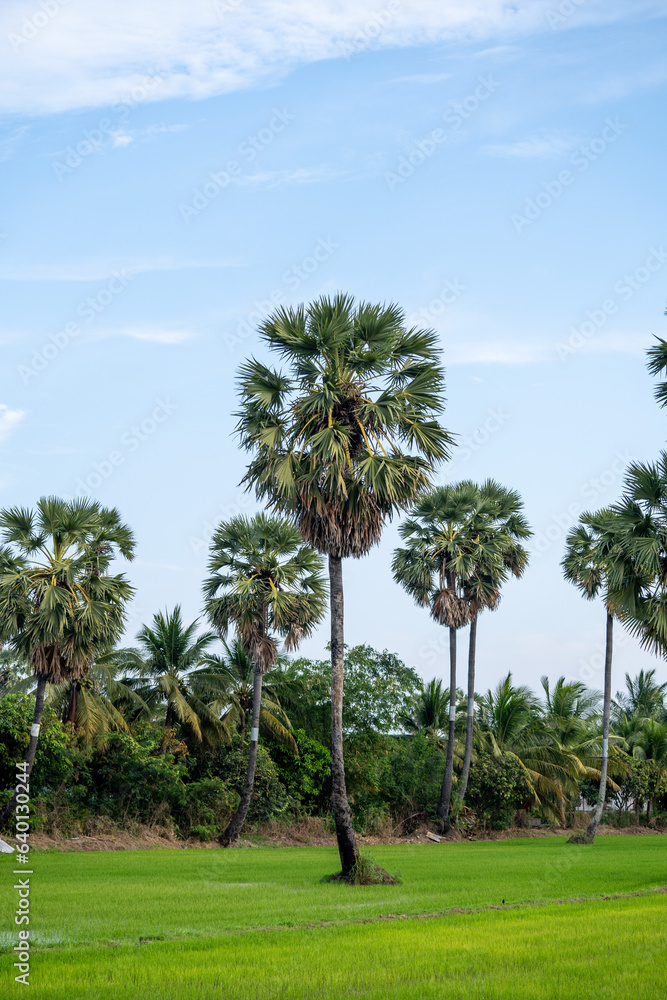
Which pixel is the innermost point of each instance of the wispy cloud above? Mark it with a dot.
(516, 351)
(101, 270)
(422, 78)
(10, 142)
(9, 420)
(542, 147)
(152, 334)
(93, 54)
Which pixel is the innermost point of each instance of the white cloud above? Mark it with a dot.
(96, 53)
(9, 420)
(543, 147)
(153, 334)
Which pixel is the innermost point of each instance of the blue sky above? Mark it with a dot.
(169, 175)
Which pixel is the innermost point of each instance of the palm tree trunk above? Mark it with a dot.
(446, 792)
(472, 649)
(227, 838)
(597, 814)
(70, 710)
(347, 844)
(32, 746)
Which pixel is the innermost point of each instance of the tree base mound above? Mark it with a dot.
(377, 876)
(580, 838)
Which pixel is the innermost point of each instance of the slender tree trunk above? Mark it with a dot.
(72, 704)
(472, 650)
(168, 722)
(32, 746)
(227, 838)
(597, 814)
(347, 844)
(446, 792)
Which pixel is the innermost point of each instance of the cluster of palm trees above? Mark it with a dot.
(340, 437)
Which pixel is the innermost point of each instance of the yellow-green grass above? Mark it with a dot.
(124, 897)
(615, 949)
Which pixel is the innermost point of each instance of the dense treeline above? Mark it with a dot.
(212, 729)
(118, 756)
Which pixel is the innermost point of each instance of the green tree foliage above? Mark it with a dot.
(497, 787)
(379, 691)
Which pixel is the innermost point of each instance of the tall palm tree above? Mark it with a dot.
(507, 526)
(446, 540)
(638, 572)
(341, 440)
(657, 365)
(591, 550)
(265, 584)
(59, 606)
(160, 673)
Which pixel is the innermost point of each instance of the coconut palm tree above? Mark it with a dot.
(233, 701)
(59, 606)
(160, 672)
(446, 539)
(511, 721)
(95, 705)
(265, 584)
(431, 711)
(592, 548)
(507, 527)
(347, 435)
(644, 698)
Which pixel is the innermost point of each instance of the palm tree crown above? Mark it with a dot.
(265, 583)
(350, 433)
(59, 606)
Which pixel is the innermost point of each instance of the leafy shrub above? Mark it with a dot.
(496, 789)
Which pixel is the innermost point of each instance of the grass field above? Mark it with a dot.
(186, 924)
